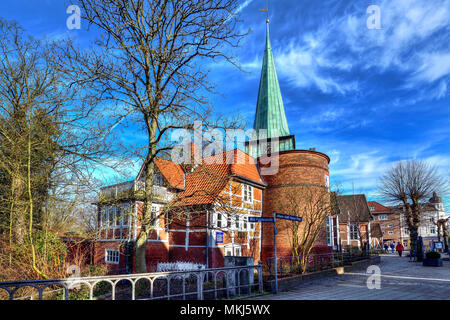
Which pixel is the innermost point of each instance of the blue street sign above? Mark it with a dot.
(260, 219)
(219, 237)
(288, 217)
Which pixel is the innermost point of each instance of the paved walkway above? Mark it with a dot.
(400, 279)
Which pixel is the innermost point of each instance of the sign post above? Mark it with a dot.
(275, 251)
(275, 231)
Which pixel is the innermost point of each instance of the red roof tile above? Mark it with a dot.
(208, 179)
(172, 172)
(378, 207)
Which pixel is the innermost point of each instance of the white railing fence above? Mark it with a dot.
(217, 283)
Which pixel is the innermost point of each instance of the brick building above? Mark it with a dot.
(432, 211)
(208, 205)
(356, 223)
(389, 222)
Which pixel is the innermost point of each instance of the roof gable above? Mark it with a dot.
(353, 208)
(172, 172)
(379, 208)
(209, 178)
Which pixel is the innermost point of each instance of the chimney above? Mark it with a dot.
(312, 149)
(196, 156)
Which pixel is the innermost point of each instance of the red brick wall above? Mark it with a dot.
(99, 256)
(295, 167)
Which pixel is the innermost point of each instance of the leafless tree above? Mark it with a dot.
(151, 62)
(410, 183)
(44, 136)
(313, 204)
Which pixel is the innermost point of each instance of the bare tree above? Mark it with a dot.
(313, 204)
(44, 135)
(410, 183)
(150, 62)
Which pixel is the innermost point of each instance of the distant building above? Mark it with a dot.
(355, 222)
(389, 222)
(432, 210)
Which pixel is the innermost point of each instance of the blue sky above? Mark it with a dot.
(367, 98)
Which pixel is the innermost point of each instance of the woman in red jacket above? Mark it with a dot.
(399, 248)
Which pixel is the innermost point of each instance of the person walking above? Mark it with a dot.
(386, 248)
(399, 248)
(392, 246)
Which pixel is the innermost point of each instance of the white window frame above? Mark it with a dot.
(389, 225)
(228, 222)
(117, 223)
(327, 182)
(234, 249)
(382, 217)
(372, 208)
(155, 210)
(228, 251)
(245, 225)
(112, 256)
(354, 232)
(126, 210)
(390, 232)
(111, 216)
(237, 222)
(103, 217)
(329, 222)
(247, 193)
(218, 219)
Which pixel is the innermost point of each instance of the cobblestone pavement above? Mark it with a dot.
(400, 280)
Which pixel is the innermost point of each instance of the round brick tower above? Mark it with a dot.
(295, 168)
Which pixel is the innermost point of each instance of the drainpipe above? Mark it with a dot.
(207, 238)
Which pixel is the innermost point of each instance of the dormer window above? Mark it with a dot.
(372, 208)
(247, 192)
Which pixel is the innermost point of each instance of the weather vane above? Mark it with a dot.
(266, 9)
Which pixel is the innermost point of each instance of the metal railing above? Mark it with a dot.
(203, 284)
(132, 188)
(290, 265)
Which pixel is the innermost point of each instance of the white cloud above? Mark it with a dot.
(434, 66)
(405, 42)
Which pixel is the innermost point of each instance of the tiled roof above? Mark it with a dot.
(353, 208)
(379, 208)
(209, 178)
(172, 172)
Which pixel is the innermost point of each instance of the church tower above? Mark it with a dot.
(270, 114)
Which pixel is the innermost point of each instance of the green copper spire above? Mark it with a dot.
(270, 109)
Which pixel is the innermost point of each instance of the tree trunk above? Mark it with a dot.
(141, 245)
(445, 235)
(147, 218)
